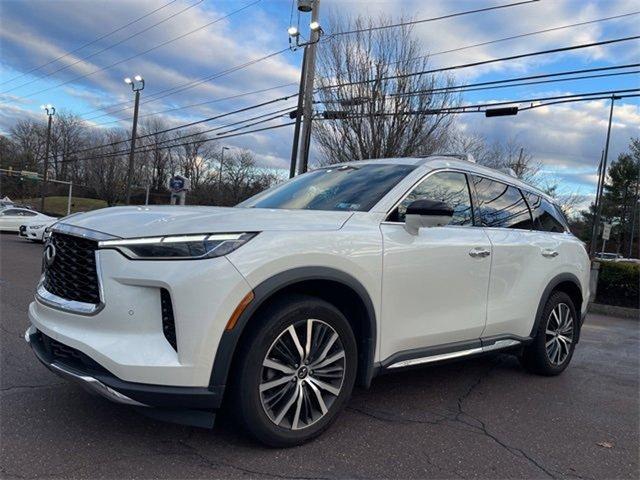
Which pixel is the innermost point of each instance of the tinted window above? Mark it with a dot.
(545, 215)
(10, 211)
(501, 205)
(338, 188)
(448, 187)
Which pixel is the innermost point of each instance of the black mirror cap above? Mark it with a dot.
(426, 207)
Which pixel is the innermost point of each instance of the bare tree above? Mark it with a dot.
(107, 174)
(500, 155)
(384, 117)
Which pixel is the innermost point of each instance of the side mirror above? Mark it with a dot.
(426, 213)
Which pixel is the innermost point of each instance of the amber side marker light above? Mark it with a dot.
(244, 303)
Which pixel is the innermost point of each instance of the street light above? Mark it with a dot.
(315, 26)
(293, 31)
(51, 111)
(137, 85)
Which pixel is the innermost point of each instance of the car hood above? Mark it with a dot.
(130, 222)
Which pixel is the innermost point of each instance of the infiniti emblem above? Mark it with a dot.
(49, 254)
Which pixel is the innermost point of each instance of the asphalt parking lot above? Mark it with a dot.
(483, 418)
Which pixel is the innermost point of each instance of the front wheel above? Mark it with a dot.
(296, 371)
(555, 340)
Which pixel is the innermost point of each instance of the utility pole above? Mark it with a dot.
(309, 76)
(220, 174)
(636, 200)
(596, 221)
(296, 129)
(51, 111)
(137, 85)
(594, 226)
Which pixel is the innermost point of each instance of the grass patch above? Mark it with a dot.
(58, 205)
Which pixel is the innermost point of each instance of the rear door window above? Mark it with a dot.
(501, 205)
(546, 216)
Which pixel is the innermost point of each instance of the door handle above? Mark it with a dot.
(547, 252)
(479, 252)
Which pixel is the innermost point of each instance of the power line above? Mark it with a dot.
(178, 127)
(208, 102)
(475, 108)
(119, 42)
(424, 20)
(221, 127)
(496, 83)
(114, 154)
(522, 35)
(89, 43)
(143, 52)
(187, 86)
(484, 62)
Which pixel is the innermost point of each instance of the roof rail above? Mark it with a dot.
(461, 156)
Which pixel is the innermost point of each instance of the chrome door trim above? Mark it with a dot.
(498, 345)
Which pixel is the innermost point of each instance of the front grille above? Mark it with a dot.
(72, 274)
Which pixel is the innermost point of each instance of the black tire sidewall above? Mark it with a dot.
(273, 322)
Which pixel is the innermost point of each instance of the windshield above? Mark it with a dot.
(347, 188)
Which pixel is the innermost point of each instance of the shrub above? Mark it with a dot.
(618, 284)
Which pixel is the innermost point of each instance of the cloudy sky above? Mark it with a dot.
(175, 54)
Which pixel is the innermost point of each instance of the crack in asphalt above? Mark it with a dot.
(18, 388)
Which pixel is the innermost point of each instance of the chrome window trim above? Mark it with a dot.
(468, 172)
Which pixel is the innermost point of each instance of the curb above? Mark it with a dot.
(614, 311)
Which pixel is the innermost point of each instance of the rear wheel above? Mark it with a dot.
(554, 343)
(296, 371)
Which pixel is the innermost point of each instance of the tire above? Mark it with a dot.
(555, 339)
(289, 405)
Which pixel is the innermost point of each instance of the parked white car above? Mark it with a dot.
(288, 300)
(12, 218)
(35, 231)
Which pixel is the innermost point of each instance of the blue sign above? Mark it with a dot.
(176, 184)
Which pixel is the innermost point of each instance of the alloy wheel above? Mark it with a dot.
(559, 334)
(302, 374)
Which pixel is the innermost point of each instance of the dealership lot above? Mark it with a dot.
(479, 418)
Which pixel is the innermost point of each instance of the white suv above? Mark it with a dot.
(286, 301)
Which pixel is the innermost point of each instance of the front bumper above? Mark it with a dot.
(73, 365)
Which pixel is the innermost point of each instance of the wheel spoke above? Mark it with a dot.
(274, 383)
(550, 342)
(327, 347)
(307, 349)
(323, 406)
(325, 386)
(269, 363)
(296, 416)
(555, 316)
(286, 407)
(329, 361)
(296, 342)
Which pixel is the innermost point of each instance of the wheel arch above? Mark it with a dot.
(337, 287)
(567, 283)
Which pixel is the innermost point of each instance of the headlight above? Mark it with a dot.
(179, 247)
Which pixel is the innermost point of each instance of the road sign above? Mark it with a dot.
(606, 231)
